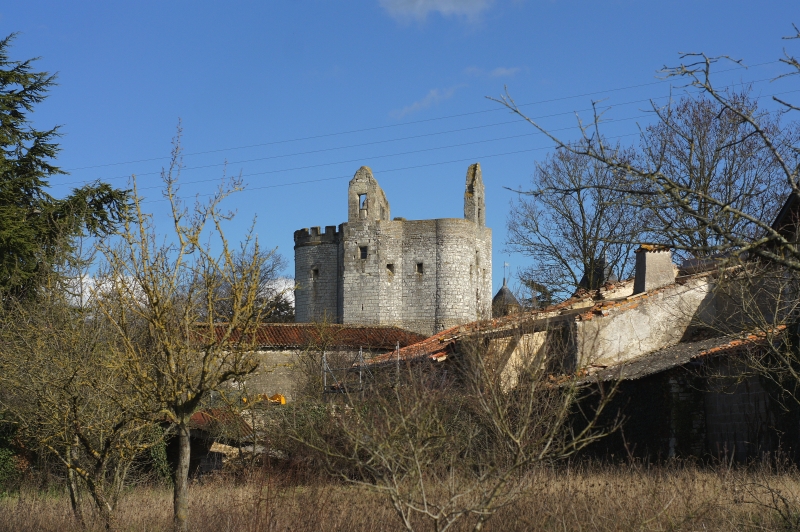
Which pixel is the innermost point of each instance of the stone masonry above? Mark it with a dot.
(654, 269)
(421, 275)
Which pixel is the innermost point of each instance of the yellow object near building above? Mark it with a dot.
(277, 399)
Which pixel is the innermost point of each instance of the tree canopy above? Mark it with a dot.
(36, 229)
(574, 225)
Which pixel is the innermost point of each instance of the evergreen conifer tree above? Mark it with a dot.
(37, 230)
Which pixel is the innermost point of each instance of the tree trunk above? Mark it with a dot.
(181, 480)
(72, 482)
(104, 508)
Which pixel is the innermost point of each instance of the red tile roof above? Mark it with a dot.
(434, 347)
(438, 346)
(220, 422)
(745, 343)
(684, 353)
(275, 335)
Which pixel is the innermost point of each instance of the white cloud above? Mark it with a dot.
(419, 9)
(434, 97)
(285, 286)
(502, 72)
(499, 72)
(85, 288)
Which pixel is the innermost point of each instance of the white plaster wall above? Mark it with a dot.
(525, 351)
(656, 321)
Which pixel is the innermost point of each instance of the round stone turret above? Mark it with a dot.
(504, 302)
(421, 275)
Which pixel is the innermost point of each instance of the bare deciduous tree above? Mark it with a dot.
(272, 294)
(573, 222)
(62, 388)
(448, 447)
(709, 172)
(710, 152)
(713, 171)
(160, 293)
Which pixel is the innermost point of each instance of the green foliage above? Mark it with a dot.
(9, 473)
(537, 295)
(158, 456)
(37, 230)
(281, 310)
(8, 470)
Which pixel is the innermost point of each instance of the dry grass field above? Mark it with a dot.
(678, 497)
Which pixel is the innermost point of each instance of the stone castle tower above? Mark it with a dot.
(421, 275)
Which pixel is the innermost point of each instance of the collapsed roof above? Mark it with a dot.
(611, 327)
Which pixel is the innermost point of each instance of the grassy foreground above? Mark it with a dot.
(675, 498)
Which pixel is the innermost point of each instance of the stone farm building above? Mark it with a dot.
(280, 346)
(682, 387)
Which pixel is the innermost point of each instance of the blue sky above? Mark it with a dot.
(297, 95)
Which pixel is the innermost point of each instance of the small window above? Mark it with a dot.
(390, 268)
(314, 274)
(363, 251)
(420, 268)
(362, 201)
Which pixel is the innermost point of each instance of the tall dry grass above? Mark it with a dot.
(677, 497)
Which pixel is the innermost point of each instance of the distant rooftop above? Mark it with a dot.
(334, 335)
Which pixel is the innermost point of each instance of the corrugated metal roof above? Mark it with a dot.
(684, 353)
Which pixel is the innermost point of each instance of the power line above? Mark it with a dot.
(386, 156)
(382, 172)
(375, 128)
(411, 152)
(439, 163)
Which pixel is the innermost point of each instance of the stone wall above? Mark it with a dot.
(642, 323)
(515, 354)
(317, 272)
(280, 371)
(277, 373)
(421, 275)
(475, 196)
(739, 416)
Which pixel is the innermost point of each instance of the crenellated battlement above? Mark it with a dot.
(422, 275)
(313, 236)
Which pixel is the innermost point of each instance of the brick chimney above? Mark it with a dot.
(654, 268)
